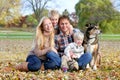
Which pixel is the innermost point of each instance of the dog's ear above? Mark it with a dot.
(88, 25)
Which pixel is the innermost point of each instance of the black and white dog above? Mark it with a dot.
(91, 44)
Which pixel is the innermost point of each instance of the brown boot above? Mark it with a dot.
(42, 68)
(22, 67)
(6, 69)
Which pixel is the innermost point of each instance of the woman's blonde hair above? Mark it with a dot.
(40, 38)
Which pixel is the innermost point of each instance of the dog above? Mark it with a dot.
(91, 45)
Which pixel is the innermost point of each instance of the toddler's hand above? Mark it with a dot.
(74, 56)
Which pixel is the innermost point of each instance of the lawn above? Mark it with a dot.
(14, 51)
(29, 35)
(16, 35)
(109, 36)
(10, 34)
(15, 45)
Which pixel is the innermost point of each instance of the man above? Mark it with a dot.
(65, 37)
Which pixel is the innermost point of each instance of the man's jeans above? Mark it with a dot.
(84, 60)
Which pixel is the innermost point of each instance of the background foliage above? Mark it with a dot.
(100, 12)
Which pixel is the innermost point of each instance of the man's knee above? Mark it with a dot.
(89, 56)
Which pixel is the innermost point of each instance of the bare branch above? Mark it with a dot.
(38, 6)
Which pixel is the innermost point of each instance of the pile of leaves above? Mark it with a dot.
(13, 52)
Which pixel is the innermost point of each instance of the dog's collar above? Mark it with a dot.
(92, 43)
(92, 37)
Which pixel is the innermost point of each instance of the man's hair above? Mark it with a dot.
(64, 17)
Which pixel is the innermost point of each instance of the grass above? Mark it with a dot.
(109, 36)
(15, 45)
(16, 35)
(13, 52)
(29, 35)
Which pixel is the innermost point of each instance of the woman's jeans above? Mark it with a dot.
(84, 60)
(53, 61)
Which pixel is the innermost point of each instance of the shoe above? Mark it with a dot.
(22, 67)
(64, 69)
(73, 65)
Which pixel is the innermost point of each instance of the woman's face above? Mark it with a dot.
(64, 25)
(47, 25)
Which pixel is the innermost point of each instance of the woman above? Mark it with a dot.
(43, 50)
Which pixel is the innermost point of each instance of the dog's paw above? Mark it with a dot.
(94, 67)
(88, 66)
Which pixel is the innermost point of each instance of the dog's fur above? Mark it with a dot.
(91, 44)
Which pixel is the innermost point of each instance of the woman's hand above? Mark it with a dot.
(53, 49)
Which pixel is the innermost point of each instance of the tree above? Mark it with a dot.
(2, 6)
(9, 11)
(65, 12)
(94, 11)
(38, 7)
(74, 19)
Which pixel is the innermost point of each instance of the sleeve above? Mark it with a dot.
(39, 52)
(67, 50)
(82, 50)
(76, 30)
(56, 43)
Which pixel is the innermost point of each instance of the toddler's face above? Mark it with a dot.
(78, 41)
(54, 20)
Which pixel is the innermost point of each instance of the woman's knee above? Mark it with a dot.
(50, 65)
(34, 67)
(50, 53)
(34, 63)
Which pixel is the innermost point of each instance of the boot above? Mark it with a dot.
(42, 67)
(73, 65)
(22, 67)
(6, 69)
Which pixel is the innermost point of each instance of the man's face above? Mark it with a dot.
(64, 25)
